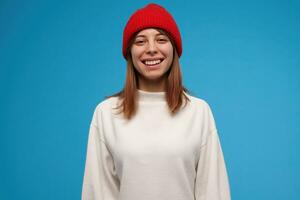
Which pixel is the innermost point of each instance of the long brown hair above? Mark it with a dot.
(174, 87)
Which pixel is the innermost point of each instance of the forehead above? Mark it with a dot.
(149, 32)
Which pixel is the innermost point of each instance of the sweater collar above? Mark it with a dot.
(146, 96)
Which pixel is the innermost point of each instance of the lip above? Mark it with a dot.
(153, 67)
(151, 59)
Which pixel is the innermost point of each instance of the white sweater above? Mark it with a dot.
(154, 156)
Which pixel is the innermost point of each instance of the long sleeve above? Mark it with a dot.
(155, 155)
(212, 180)
(100, 181)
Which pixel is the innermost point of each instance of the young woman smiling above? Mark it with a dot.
(152, 56)
(153, 140)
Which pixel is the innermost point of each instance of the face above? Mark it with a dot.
(152, 54)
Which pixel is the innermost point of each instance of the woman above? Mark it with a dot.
(153, 140)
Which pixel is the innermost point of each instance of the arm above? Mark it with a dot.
(212, 180)
(100, 181)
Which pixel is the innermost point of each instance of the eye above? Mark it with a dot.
(162, 40)
(139, 41)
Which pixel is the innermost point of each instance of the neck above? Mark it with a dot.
(151, 97)
(152, 85)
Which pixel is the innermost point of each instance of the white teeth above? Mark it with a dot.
(152, 62)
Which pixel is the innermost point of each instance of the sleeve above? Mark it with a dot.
(211, 175)
(100, 181)
(212, 180)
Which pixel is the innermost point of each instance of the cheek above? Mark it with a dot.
(167, 49)
(134, 56)
(135, 53)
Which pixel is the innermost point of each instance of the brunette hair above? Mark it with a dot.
(174, 87)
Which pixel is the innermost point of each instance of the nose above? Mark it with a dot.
(151, 49)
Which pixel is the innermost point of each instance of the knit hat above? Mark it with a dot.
(151, 16)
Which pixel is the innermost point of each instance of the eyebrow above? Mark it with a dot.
(145, 35)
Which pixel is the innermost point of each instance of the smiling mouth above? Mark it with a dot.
(152, 62)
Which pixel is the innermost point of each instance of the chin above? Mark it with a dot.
(153, 75)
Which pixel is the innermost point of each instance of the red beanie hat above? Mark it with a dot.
(151, 16)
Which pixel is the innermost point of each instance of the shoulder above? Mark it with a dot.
(204, 109)
(104, 108)
(198, 102)
(107, 104)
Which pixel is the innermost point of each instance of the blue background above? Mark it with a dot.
(60, 58)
